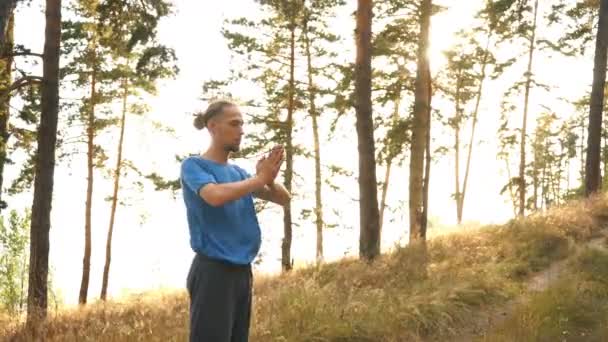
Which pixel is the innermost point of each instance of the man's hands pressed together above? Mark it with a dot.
(268, 166)
(267, 170)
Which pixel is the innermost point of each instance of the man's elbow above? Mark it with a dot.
(285, 200)
(212, 197)
(215, 202)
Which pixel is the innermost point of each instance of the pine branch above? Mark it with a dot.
(21, 54)
(20, 83)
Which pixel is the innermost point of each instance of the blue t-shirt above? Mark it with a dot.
(230, 232)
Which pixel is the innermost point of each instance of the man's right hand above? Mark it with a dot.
(268, 168)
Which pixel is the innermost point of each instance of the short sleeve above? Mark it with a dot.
(244, 174)
(194, 176)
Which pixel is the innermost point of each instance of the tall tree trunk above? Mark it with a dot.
(23, 278)
(6, 70)
(582, 150)
(314, 115)
(383, 195)
(604, 157)
(554, 188)
(560, 175)
(427, 167)
(7, 7)
(419, 131)
(543, 188)
(106, 268)
(592, 167)
(522, 161)
(511, 192)
(45, 169)
(369, 238)
(568, 175)
(389, 163)
(535, 181)
(457, 119)
(287, 223)
(86, 261)
(474, 123)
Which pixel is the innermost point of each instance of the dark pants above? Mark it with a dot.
(220, 301)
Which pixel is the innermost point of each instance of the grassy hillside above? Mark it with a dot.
(417, 293)
(575, 308)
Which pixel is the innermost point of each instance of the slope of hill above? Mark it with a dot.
(544, 275)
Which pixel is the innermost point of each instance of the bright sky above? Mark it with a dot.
(151, 246)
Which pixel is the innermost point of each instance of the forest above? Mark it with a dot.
(447, 164)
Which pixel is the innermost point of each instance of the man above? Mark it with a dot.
(224, 230)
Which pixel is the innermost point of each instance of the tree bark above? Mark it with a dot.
(457, 119)
(369, 237)
(45, 169)
(314, 115)
(427, 168)
(474, 124)
(583, 164)
(535, 181)
(604, 154)
(511, 192)
(287, 221)
(6, 66)
(522, 161)
(106, 268)
(86, 261)
(7, 7)
(389, 163)
(419, 131)
(592, 166)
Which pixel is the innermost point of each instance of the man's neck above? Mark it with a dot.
(216, 154)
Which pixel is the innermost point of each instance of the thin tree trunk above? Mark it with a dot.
(389, 163)
(7, 7)
(592, 166)
(369, 238)
(560, 173)
(535, 181)
(45, 169)
(568, 175)
(419, 131)
(427, 167)
(474, 124)
(287, 223)
(513, 197)
(387, 176)
(106, 268)
(548, 174)
(522, 163)
(543, 187)
(457, 153)
(314, 114)
(583, 150)
(558, 194)
(604, 157)
(6, 69)
(86, 261)
(23, 277)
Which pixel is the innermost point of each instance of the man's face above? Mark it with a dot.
(227, 128)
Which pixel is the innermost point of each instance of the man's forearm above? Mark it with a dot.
(279, 194)
(219, 194)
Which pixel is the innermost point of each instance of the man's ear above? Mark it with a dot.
(211, 127)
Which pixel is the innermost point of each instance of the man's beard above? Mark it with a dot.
(232, 148)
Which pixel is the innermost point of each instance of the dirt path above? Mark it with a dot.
(537, 283)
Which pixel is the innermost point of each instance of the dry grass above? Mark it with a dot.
(574, 309)
(155, 316)
(416, 293)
